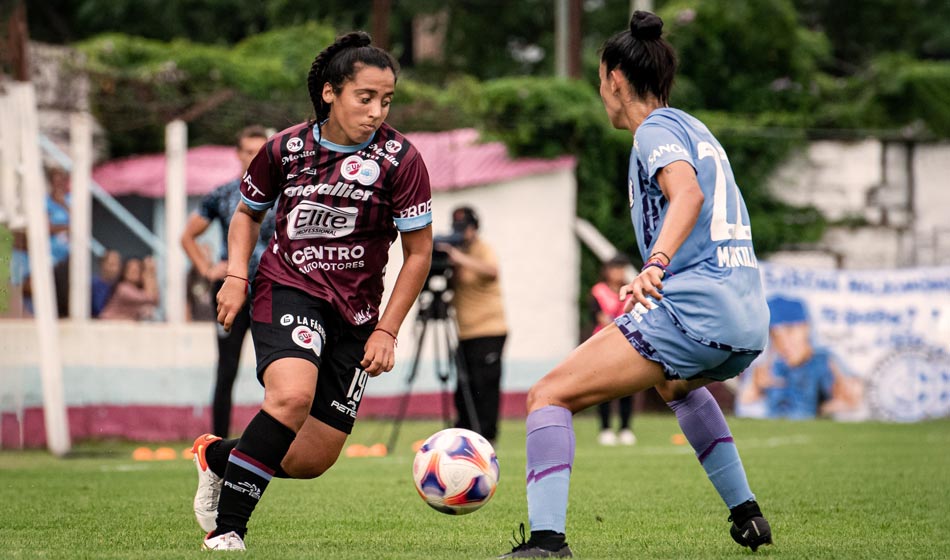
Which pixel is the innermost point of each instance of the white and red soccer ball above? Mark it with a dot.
(456, 471)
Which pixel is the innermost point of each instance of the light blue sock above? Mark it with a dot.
(706, 430)
(550, 446)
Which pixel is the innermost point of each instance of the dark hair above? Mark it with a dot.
(646, 60)
(617, 261)
(252, 131)
(464, 216)
(337, 63)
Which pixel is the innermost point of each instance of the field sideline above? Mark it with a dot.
(830, 491)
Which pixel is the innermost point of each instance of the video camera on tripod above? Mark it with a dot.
(435, 311)
(441, 263)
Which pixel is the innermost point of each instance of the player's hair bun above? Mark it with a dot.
(646, 26)
(355, 39)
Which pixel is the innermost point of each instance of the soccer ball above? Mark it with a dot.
(456, 471)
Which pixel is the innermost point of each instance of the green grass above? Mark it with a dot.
(830, 491)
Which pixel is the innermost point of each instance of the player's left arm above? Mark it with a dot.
(680, 186)
(379, 354)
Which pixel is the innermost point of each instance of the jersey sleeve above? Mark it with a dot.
(261, 184)
(659, 146)
(208, 207)
(412, 196)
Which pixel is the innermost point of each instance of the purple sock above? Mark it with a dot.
(550, 446)
(706, 430)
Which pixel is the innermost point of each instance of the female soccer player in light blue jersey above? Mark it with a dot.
(696, 312)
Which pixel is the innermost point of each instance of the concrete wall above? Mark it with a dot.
(896, 190)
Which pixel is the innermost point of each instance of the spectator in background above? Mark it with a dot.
(605, 306)
(103, 282)
(136, 295)
(481, 323)
(219, 206)
(57, 208)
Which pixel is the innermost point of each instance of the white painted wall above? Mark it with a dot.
(529, 223)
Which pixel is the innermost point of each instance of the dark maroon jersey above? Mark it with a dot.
(338, 210)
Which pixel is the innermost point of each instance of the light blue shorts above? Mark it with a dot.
(657, 337)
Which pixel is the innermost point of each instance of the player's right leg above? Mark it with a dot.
(605, 367)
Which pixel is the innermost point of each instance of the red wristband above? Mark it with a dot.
(382, 330)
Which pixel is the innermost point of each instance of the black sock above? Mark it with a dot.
(217, 456)
(548, 540)
(251, 465)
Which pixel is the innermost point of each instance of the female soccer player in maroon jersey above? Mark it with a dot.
(343, 186)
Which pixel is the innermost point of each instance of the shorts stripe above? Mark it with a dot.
(635, 337)
(249, 463)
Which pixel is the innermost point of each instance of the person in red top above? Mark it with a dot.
(342, 187)
(605, 306)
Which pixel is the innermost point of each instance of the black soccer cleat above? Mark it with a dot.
(749, 527)
(539, 548)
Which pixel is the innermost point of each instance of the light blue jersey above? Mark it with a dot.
(715, 292)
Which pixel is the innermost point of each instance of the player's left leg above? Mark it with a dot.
(604, 367)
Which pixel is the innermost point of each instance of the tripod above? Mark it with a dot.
(435, 311)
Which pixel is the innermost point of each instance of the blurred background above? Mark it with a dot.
(117, 116)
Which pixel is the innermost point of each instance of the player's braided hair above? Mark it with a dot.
(646, 59)
(337, 63)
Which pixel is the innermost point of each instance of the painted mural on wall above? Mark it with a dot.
(853, 345)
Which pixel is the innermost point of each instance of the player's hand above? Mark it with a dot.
(230, 299)
(450, 250)
(647, 284)
(217, 271)
(380, 353)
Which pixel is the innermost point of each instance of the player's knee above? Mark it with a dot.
(672, 390)
(289, 405)
(542, 394)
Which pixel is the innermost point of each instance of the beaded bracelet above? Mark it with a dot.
(395, 340)
(657, 264)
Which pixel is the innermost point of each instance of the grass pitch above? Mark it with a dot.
(829, 490)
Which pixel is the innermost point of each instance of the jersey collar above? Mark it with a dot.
(337, 147)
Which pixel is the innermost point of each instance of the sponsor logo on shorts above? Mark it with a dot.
(294, 145)
(345, 408)
(393, 146)
(286, 319)
(309, 220)
(307, 339)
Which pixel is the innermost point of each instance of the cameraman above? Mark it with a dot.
(481, 320)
